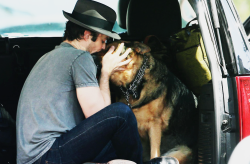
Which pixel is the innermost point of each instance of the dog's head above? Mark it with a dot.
(138, 53)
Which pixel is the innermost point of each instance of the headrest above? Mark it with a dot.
(122, 13)
(153, 17)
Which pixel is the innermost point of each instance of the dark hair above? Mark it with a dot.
(74, 31)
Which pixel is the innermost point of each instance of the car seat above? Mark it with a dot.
(147, 17)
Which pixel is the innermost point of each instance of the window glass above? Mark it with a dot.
(243, 8)
(38, 18)
(42, 18)
(187, 12)
(27, 18)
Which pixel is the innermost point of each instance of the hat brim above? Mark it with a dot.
(96, 29)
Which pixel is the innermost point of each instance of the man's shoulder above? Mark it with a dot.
(68, 47)
(65, 50)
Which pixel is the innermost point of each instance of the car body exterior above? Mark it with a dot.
(227, 47)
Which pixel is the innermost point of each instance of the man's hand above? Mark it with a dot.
(93, 99)
(112, 60)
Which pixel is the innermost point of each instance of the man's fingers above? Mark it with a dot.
(124, 62)
(119, 69)
(111, 49)
(125, 54)
(119, 49)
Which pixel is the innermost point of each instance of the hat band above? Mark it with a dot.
(93, 21)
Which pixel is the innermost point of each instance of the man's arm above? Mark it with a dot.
(93, 99)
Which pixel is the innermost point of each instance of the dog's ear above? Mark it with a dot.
(112, 44)
(154, 43)
(141, 48)
(116, 44)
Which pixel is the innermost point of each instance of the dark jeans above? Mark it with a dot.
(109, 134)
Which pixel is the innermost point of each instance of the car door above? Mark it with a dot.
(227, 48)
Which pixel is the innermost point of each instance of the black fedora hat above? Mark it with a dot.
(93, 16)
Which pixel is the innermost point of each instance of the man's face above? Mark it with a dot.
(98, 45)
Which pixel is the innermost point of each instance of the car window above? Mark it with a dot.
(187, 12)
(33, 18)
(38, 18)
(44, 18)
(243, 8)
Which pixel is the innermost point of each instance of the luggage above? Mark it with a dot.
(192, 65)
(184, 54)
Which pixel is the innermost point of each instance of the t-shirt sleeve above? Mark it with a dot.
(84, 71)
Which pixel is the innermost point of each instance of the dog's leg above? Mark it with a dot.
(155, 139)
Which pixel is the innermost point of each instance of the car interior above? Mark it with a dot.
(140, 18)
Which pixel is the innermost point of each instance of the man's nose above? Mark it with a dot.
(104, 46)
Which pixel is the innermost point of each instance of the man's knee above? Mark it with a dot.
(121, 106)
(124, 110)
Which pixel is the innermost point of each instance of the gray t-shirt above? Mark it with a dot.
(48, 106)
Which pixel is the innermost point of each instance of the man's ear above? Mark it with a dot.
(86, 35)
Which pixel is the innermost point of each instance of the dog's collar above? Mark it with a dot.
(135, 83)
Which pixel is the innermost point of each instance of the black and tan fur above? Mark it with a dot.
(165, 110)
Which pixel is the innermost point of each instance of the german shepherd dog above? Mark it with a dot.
(164, 108)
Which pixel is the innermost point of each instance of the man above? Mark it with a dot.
(62, 89)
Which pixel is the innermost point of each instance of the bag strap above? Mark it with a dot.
(190, 22)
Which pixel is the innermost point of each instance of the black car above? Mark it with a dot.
(223, 102)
